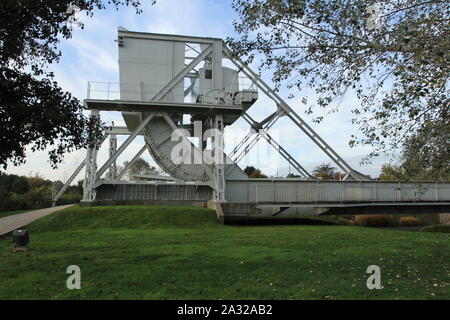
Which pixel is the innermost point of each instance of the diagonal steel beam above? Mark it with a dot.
(158, 96)
(124, 145)
(69, 181)
(276, 114)
(180, 76)
(189, 89)
(273, 117)
(247, 148)
(243, 142)
(283, 152)
(294, 163)
(74, 174)
(255, 139)
(341, 163)
(128, 166)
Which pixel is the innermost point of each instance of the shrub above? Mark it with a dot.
(437, 228)
(345, 221)
(409, 221)
(375, 220)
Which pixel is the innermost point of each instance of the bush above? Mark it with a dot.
(409, 221)
(445, 228)
(345, 221)
(69, 198)
(375, 220)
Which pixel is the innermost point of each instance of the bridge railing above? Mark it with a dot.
(142, 91)
(273, 191)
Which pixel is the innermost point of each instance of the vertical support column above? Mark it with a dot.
(91, 168)
(112, 173)
(219, 158)
(218, 143)
(217, 65)
(87, 175)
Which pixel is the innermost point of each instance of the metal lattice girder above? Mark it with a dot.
(254, 129)
(124, 145)
(251, 143)
(243, 142)
(278, 147)
(190, 88)
(64, 186)
(112, 148)
(117, 130)
(287, 156)
(157, 97)
(219, 165)
(295, 117)
(128, 166)
(247, 148)
(91, 167)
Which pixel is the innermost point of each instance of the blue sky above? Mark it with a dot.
(91, 55)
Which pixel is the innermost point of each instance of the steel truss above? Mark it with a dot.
(215, 50)
(294, 117)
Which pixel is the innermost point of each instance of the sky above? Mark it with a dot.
(91, 55)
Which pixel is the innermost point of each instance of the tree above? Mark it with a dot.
(140, 167)
(249, 170)
(391, 172)
(13, 183)
(418, 162)
(257, 174)
(326, 171)
(398, 65)
(34, 110)
(20, 185)
(291, 175)
(252, 172)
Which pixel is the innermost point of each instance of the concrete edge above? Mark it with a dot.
(179, 203)
(218, 208)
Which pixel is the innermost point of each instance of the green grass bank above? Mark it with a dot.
(139, 252)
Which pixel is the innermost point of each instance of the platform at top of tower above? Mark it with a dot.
(172, 73)
(230, 113)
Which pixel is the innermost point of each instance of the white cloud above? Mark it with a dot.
(92, 55)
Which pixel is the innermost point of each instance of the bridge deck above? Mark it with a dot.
(253, 196)
(294, 191)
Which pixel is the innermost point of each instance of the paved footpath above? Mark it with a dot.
(10, 223)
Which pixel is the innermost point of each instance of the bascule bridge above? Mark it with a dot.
(166, 79)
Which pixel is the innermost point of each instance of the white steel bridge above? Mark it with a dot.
(165, 77)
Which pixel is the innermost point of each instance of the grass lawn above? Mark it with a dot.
(138, 252)
(10, 213)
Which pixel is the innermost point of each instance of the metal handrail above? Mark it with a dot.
(108, 90)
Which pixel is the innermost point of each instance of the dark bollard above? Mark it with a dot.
(21, 238)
